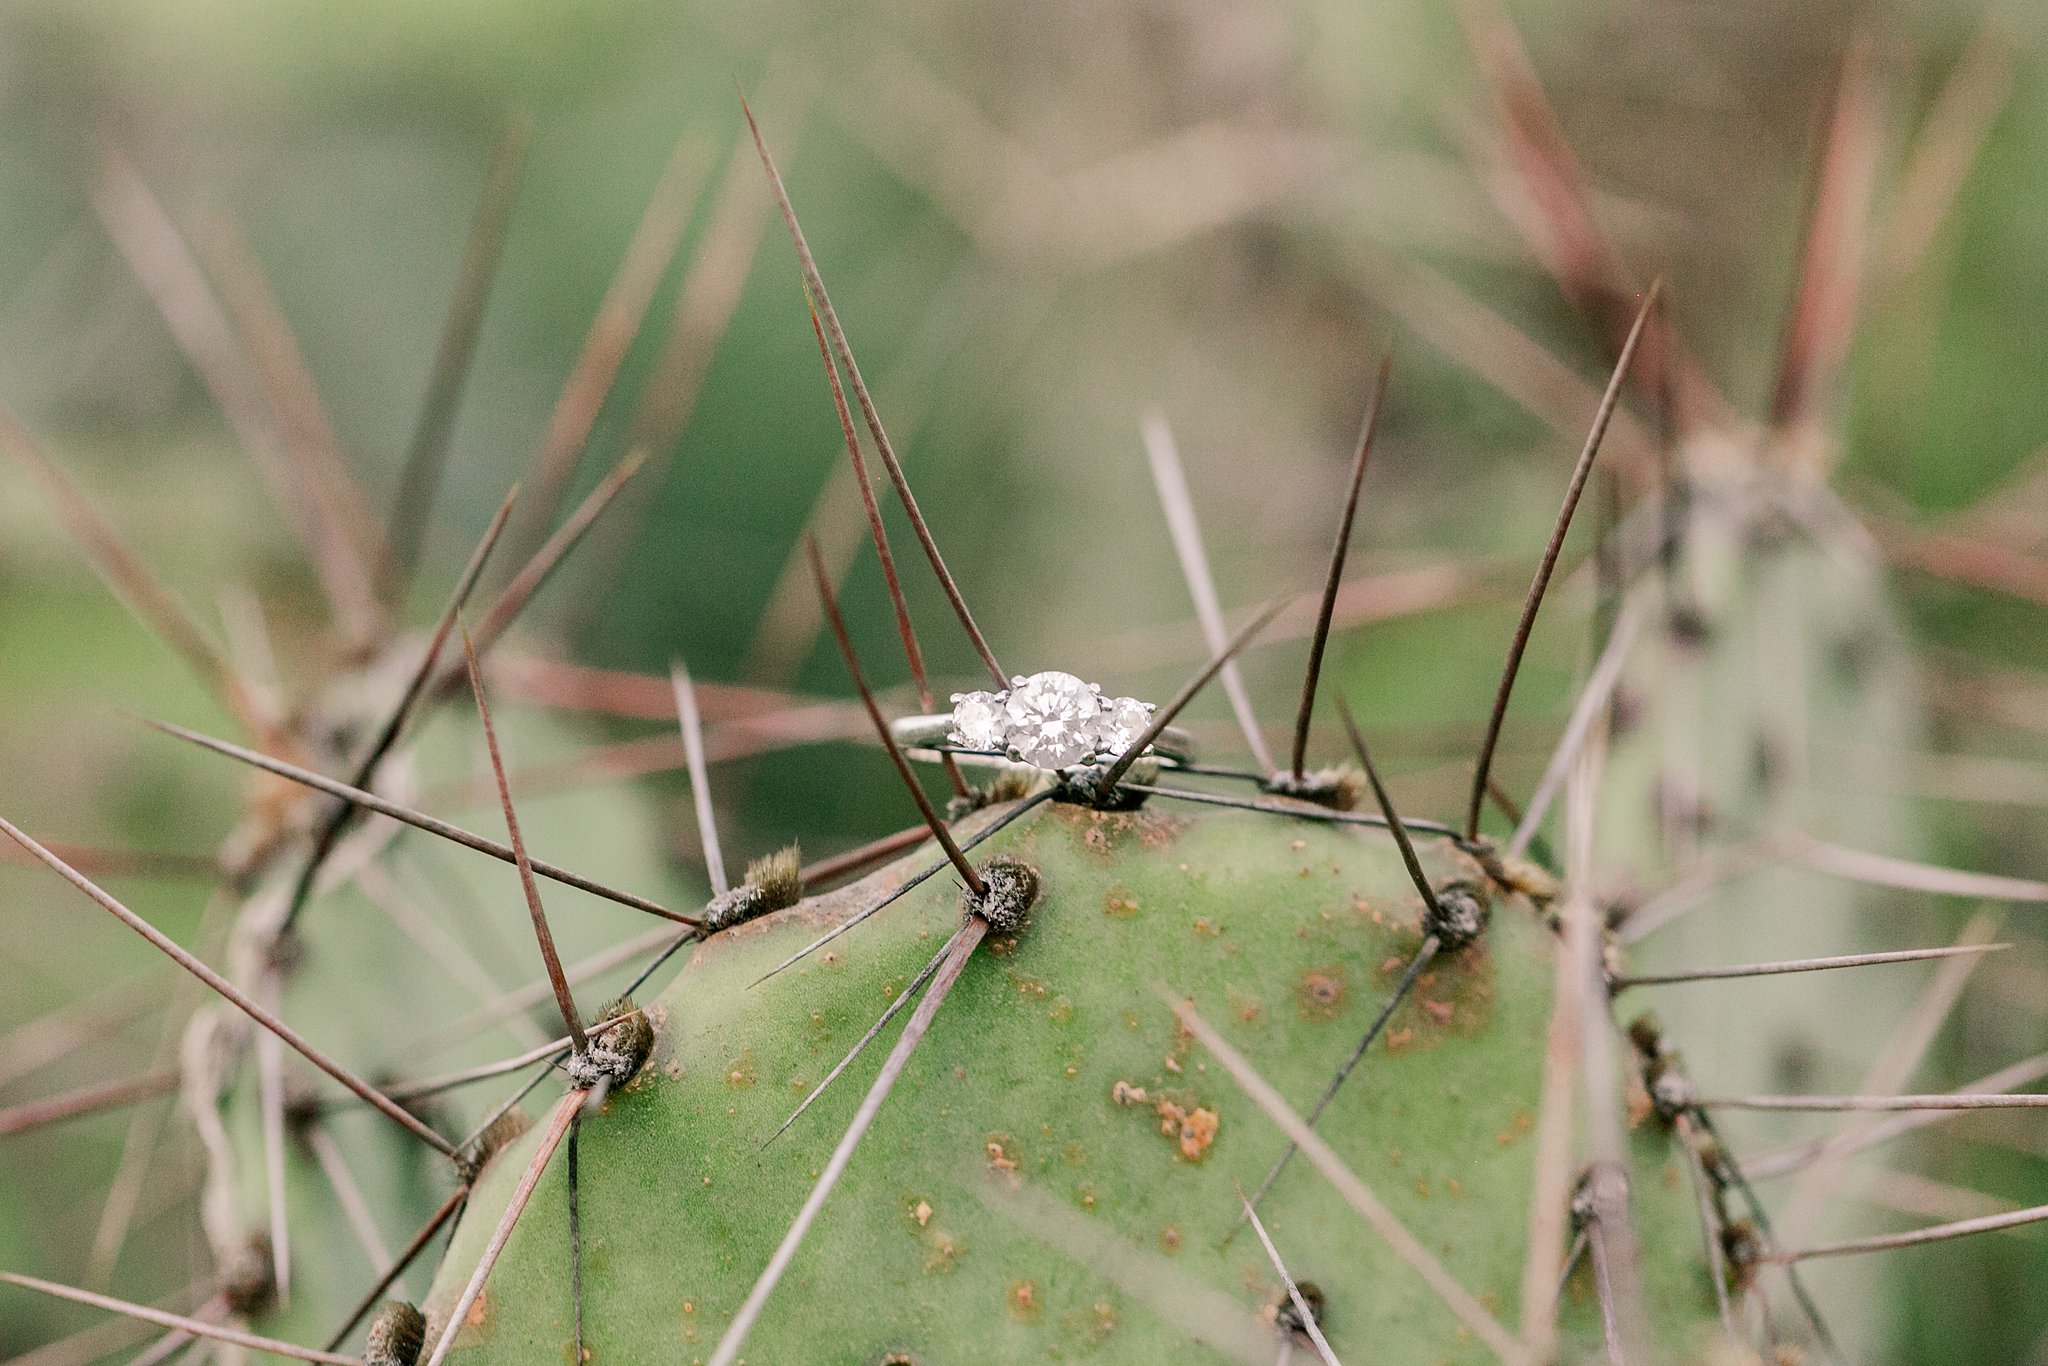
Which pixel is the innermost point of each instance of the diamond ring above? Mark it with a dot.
(1049, 720)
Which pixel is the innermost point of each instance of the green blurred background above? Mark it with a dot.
(1039, 221)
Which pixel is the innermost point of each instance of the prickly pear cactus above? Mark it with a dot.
(1053, 1176)
(1766, 702)
(1766, 705)
(1053, 1158)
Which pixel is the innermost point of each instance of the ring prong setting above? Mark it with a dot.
(1049, 720)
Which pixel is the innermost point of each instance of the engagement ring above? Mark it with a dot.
(1049, 720)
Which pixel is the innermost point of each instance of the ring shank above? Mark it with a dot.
(925, 738)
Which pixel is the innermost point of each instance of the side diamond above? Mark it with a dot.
(1121, 721)
(978, 721)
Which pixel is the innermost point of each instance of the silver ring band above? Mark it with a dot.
(926, 738)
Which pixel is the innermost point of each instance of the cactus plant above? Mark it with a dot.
(1078, 1144)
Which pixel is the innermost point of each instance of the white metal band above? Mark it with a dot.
(925, 737)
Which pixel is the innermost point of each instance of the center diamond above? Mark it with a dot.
(1052, 719)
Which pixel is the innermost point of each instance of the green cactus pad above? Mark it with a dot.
(1052, 1178)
